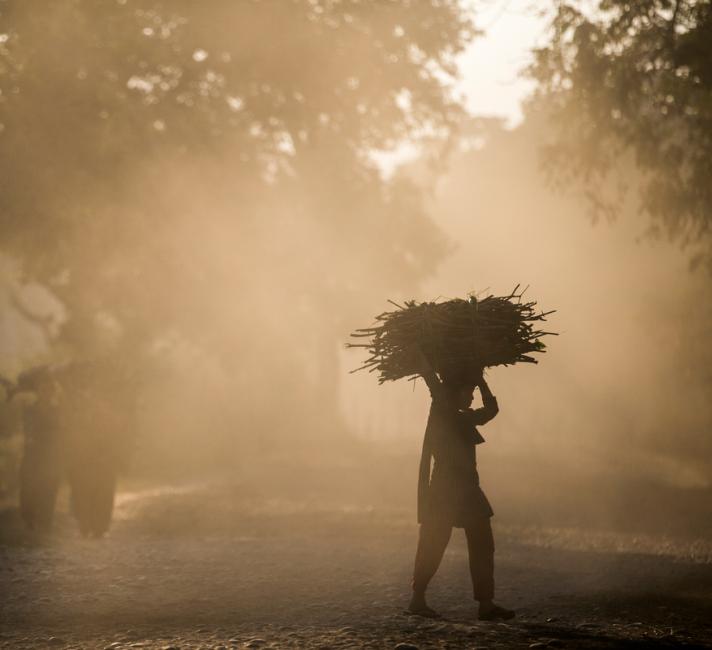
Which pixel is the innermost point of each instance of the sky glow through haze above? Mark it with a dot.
(491, 66)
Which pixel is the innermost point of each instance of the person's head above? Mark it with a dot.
(461, 387)
(40, 381)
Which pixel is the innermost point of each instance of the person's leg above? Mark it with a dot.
(29, 489)
(480, 546)
(432, 542)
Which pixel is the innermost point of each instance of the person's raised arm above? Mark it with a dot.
(489, 403)
(426, 371)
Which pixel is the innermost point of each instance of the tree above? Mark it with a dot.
(629, 87)
(199, 174)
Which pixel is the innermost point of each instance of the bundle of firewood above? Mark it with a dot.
(457, 336)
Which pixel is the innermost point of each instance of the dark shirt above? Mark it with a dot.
(41, 423)
(451, 492)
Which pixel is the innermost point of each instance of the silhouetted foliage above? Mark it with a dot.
(632, 81)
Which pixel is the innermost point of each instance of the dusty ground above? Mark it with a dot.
(209, 567)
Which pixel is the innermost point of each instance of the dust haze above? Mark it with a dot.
(190, 194)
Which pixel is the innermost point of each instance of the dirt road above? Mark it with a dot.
(208, 567)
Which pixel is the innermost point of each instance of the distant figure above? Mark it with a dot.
(41, 465)
(96, 433)
(92, 489)
(451, 496)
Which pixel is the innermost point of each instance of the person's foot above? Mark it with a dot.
(419, 607)
(491, 612)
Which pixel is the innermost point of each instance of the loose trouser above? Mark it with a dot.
(39, 483)
(432, 542)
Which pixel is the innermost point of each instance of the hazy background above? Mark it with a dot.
(216, 195)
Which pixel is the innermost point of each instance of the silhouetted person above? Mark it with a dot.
(95, 434)
(451, 496)
(41, 466)
(92, 487)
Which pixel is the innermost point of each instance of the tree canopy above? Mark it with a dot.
(202, 172)
(629, 85)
